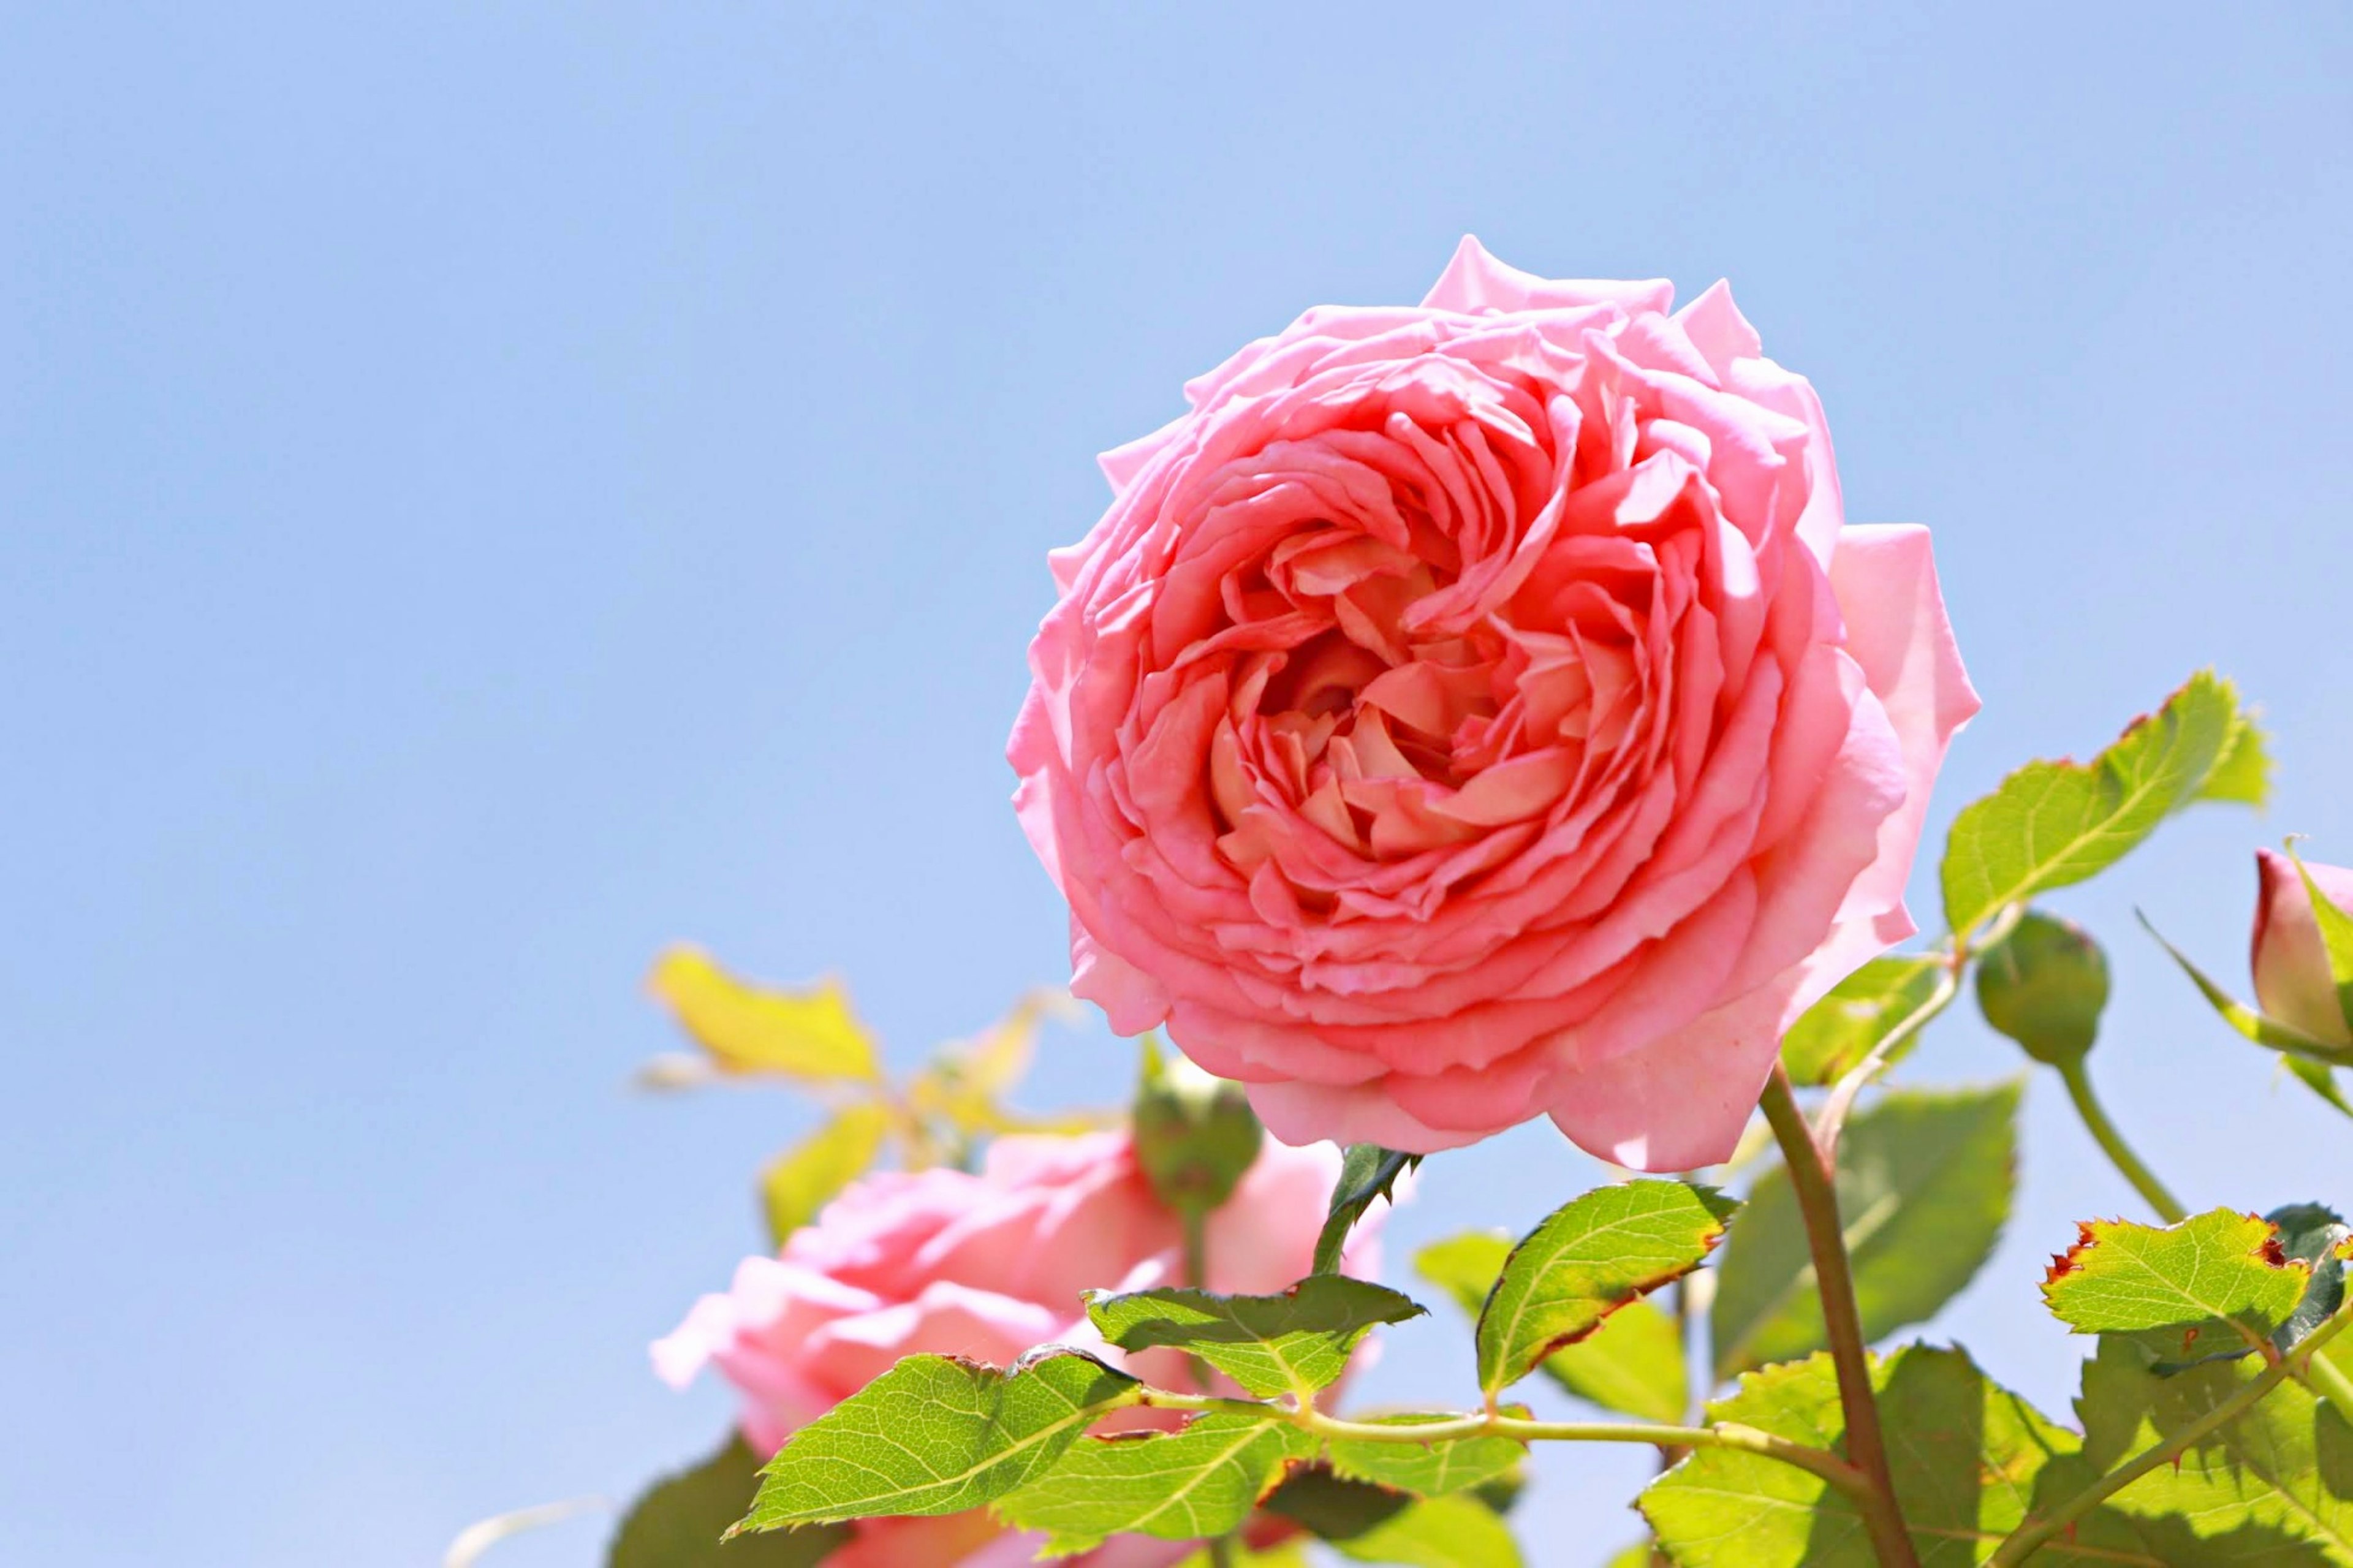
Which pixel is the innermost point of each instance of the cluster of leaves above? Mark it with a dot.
(811, 1039)
(936, 1434)
(2212, 1426)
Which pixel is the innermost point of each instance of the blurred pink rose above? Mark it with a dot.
(1480, 710)
(986, 1265)
(2291, 964)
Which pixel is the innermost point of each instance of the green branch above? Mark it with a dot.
(2112, 1144)
(1479, 1424)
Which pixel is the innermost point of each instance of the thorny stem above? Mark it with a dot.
(2112, 1144)
(1221, 1553)
(1717, 1435)
(1811, 1172)
(2023, 1541)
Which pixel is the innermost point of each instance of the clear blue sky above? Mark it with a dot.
(488, 489)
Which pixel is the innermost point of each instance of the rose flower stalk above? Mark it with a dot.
(986, 1265)
(1481, 710)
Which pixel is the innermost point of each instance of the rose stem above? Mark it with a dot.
(1810, 1177)
(2112, 1144)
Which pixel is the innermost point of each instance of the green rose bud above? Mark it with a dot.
(1195, 1134)
(2043, 985)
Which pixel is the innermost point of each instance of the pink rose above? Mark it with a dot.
(1480, 710)
(986, 1265)
(2291, 964)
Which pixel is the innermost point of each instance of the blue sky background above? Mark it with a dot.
(487, 489)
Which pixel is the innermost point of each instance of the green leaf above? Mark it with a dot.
(1199, 1481)
(2217, 1281)
(1637, 1555)
(2272, 1488)
(2050, 825)
(745, 1028)
(1741, 1511)
(2243, 775)
(1839, 1030)
(1443, 1532)
(1590, 1258)
(1923, 1185)
(1632, 1363)
(936, 1434)
(678, 1522)
(1368, 1172)
(1965, 1456)
(1366, 1523)
(1331, 1506)
(2317, 1237)
(804, 1178)
(1425, 1469)
(1296, 1342)
(1465, 1266)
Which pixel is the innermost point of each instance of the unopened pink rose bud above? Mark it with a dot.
(2291, 979)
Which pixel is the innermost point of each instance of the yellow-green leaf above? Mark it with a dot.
(2052, 824)
(968, 1080)
(1440, 1533)
(1839, 1030)
(1633, 1363)
(2217, 1281)
(1296, 1342)
(1369, 1523)
(1199, 1481)
(2243, 773)
(1589, 1258)
(746, 1028)
(936, 1434)
(804, 1178)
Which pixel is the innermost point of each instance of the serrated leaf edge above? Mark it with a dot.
(1709, 1241)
